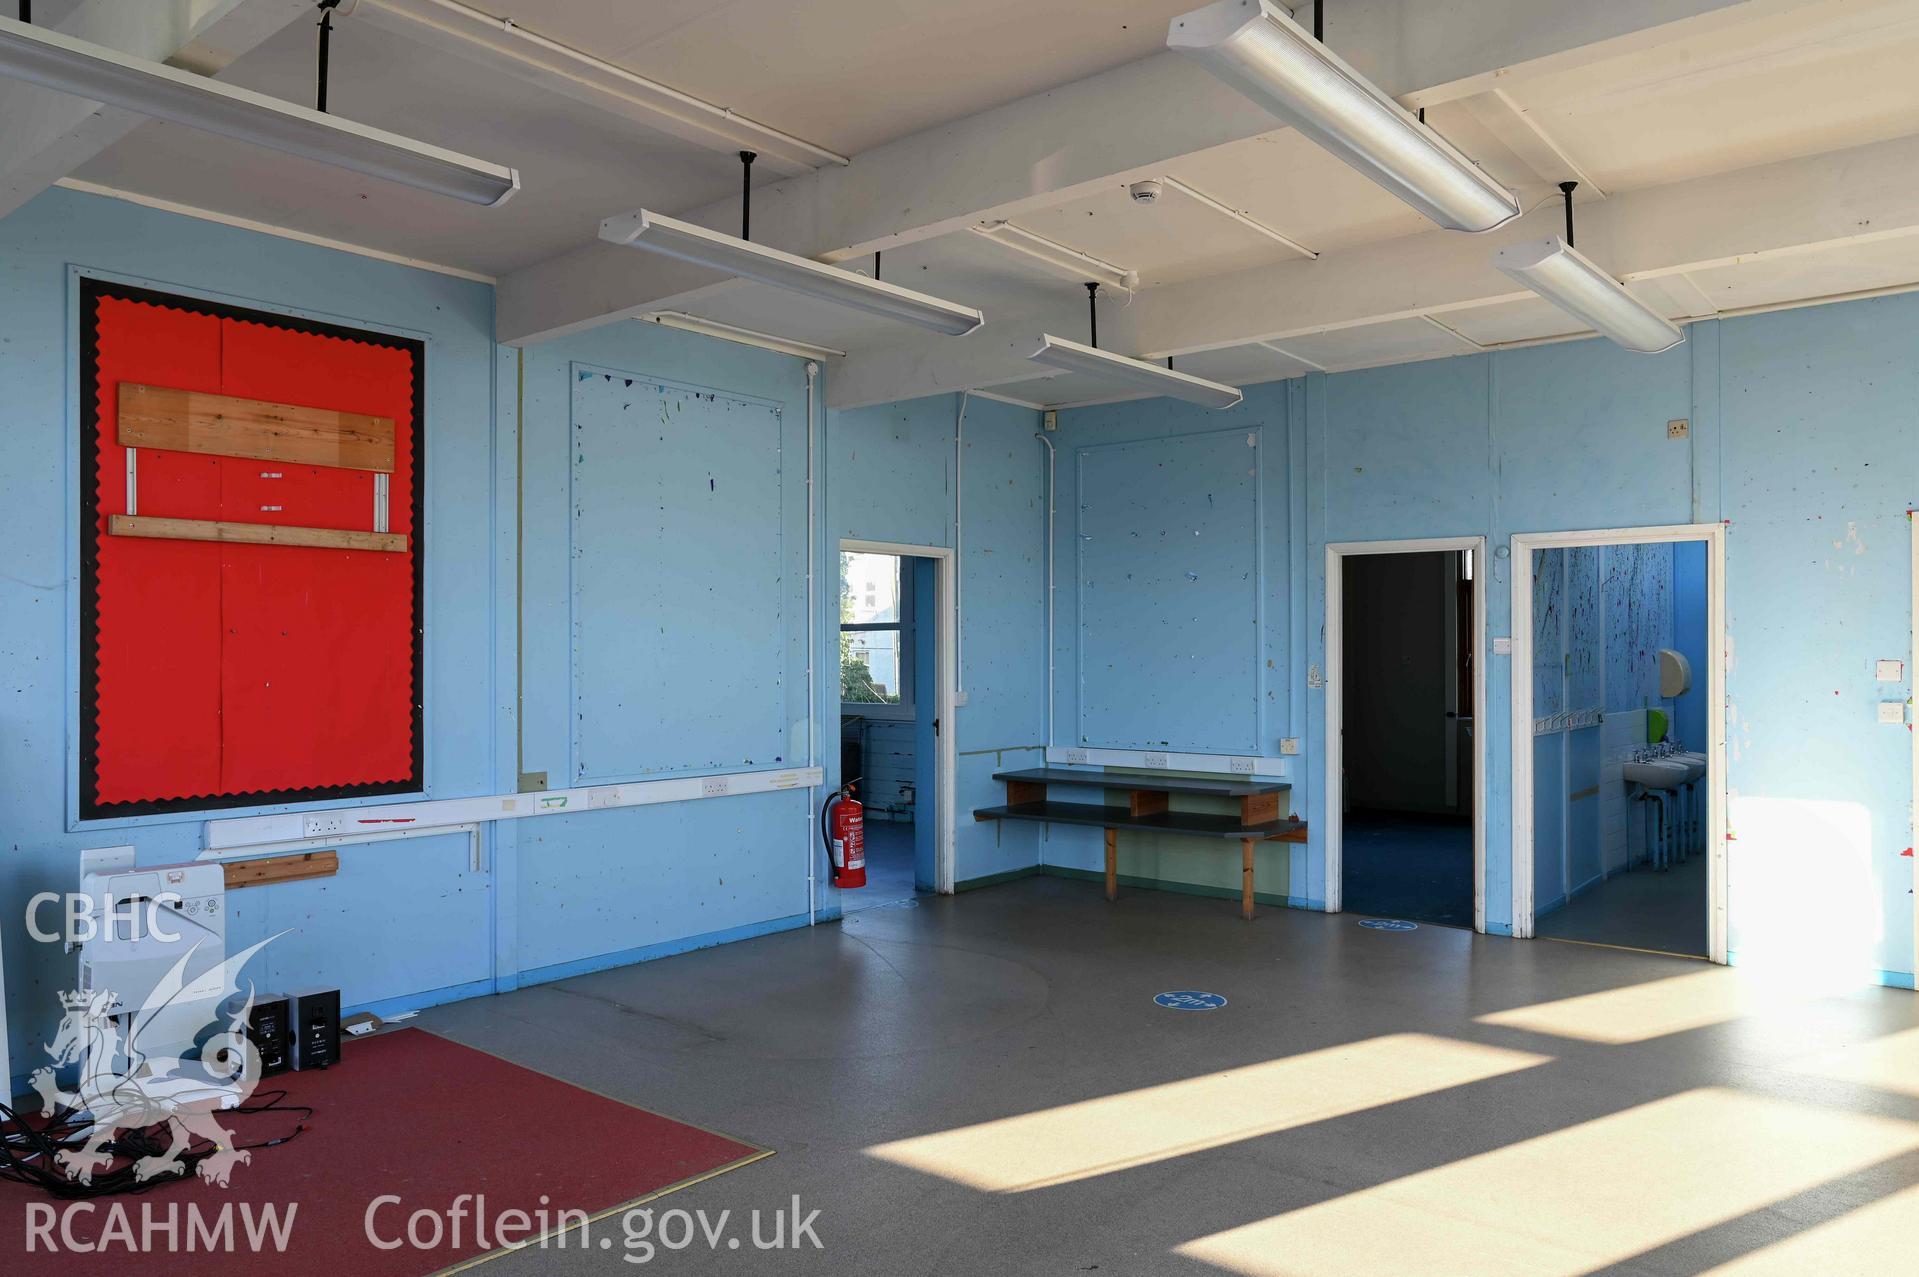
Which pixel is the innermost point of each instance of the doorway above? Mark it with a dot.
(1405, 695)
(1617, 766)
(894, 641)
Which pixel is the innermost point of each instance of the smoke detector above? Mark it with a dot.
(1145, 192)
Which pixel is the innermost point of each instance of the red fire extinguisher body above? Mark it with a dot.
(849, 841)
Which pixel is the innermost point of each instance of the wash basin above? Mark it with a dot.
(1695, 764)
(1663, 774)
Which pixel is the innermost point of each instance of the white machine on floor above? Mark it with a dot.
(146, 920)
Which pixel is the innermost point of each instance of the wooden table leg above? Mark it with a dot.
(1112, 864)
(1246, 879)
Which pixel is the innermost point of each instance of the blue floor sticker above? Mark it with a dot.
(1190, 1000)
(1389, 924)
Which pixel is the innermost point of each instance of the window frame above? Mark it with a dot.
(906, 709)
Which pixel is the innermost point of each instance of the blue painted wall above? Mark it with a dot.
(1797, 420)
(891, 477)
(1175, 544)
(407, 917)
(707, 449)
(1801, 425)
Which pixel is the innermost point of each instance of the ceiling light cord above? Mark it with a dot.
(1566, 189)
(1092, 312)
(746, 194)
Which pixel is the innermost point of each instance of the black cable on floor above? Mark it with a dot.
(29, 1154)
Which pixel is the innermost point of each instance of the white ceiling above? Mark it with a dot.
(1787, 81)
(851, 74)
(577, 164)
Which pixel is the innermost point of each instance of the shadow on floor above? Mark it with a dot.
(1409, 865)
(1026, 1106)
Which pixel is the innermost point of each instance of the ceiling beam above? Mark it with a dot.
(1080, 138)
(503, 46)
(1805, 205)
(49, 134)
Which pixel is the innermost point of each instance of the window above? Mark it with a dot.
(876, 633)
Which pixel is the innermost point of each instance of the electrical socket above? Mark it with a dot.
(1075, 755)
(1678, 428)
(1240, 766)
(715, 786)
(1289, 745)
(324, 826)
(1152, 760)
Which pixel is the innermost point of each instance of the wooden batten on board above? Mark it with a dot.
(195, 421)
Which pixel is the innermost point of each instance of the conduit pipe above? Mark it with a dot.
(959, 557)
(812, 645)
(1052, 469)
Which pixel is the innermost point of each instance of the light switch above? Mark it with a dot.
(1892, 711)
(1892, 671)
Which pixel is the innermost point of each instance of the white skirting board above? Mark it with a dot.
(249, 835)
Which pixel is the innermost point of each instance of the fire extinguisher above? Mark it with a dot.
(843, 826)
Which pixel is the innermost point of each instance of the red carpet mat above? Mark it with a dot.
(404, 1115)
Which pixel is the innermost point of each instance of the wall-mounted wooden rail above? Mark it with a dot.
(262, 870)
(139, 525)
(195, 421)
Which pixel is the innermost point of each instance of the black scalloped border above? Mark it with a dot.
(92, 291)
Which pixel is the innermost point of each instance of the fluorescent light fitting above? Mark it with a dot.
(1257, 49)
(504, 44)
(1250, 222)
(1069, 262)
(1057, 352)
(744, 336)
(60, 62)
(1556, 271)
(735, 256)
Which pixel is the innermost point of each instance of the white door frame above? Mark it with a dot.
(1912, 672)
(947, 605)
(1523, 545)
(1331, 819)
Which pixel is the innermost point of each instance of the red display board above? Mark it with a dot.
(216, 674)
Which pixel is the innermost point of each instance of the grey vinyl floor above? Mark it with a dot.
(984, 1084)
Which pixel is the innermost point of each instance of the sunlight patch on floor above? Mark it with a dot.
(1574, 1200)
(1115, 1132)
(1889, 1063)
(1874, 1241)
(1638, 1012)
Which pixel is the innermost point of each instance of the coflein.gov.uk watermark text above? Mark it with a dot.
(639, 1234)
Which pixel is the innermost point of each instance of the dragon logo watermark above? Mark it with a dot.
(122, 1088)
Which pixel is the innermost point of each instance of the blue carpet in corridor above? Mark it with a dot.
(1408, 865)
